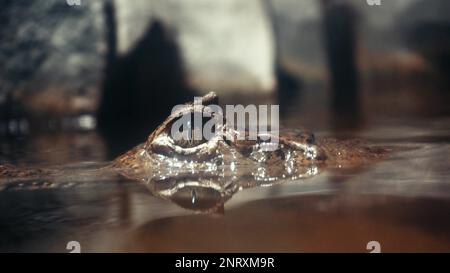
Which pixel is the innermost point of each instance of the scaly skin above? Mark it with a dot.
(185, 170)
(298, 152)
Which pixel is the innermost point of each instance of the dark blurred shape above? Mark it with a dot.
(141, 87)
(340, 45)
(111, 35)
(427, 26)
(432, 40)
(288, 85)
(289, 89)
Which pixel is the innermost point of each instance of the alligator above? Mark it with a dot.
(188, 171)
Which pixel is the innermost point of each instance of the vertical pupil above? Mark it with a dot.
(192, 130)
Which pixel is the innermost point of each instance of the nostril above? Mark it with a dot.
(308, 138)
(311, 139)
(321, 155)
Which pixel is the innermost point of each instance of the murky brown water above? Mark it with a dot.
(403, 203)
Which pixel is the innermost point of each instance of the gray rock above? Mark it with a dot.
(47, 45)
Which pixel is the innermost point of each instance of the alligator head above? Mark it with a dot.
(228, 152)
(224, 163)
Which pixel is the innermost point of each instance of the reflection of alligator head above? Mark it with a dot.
(194, 193)
(203, 174)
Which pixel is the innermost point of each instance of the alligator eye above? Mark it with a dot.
(190, 134)
(191, 130)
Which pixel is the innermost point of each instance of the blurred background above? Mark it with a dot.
(118, 67)
(87, 82)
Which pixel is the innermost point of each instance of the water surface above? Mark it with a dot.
(402, 202)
